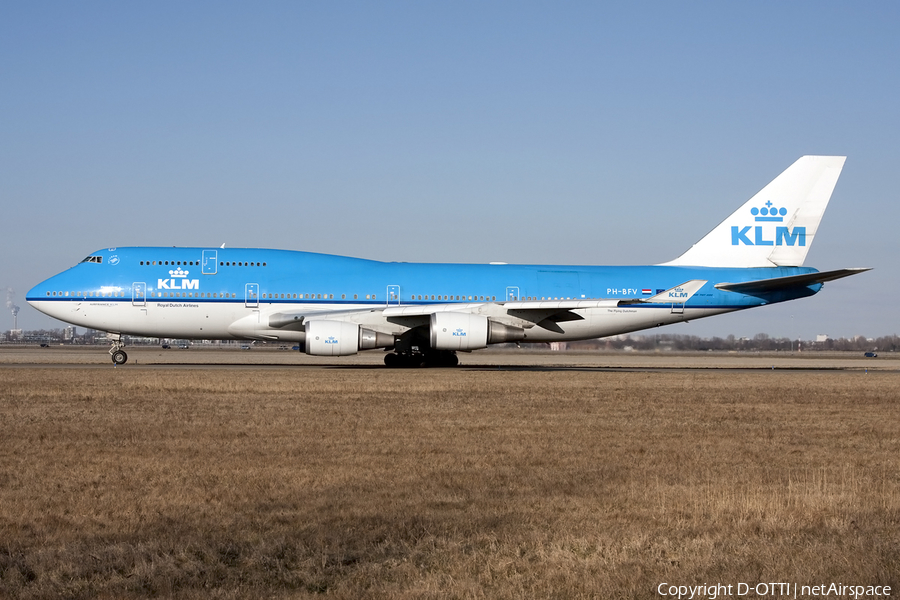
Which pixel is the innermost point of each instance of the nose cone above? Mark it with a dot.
(38, 292)
(39, 296)
(50, 296)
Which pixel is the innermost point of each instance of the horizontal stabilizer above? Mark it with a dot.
(793, 281)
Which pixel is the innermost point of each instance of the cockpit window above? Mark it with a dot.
(93, 259)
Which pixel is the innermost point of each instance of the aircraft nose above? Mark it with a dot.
(41, 296)
(35, 293)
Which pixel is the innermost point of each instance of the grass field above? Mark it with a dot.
(288, 482)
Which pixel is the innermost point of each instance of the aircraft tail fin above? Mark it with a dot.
(775, 227)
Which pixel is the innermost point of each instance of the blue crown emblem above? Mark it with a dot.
(769, 213)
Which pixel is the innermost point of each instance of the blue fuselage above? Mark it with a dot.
(273, 277)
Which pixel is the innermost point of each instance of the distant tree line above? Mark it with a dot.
(761, 342)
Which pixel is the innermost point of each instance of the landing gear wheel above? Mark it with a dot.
(441, 358)
(404, 360)
(118, 355)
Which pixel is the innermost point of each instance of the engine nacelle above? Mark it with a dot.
(341, 338)
(466, 332)
(458, 331)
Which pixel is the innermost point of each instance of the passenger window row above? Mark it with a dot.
(92, 294)
(452, 297)
(148, 263)
(192, 295)
(268, 296)
(190, 263)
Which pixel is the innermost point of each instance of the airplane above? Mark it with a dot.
(423, 314)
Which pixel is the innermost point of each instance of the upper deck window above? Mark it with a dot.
(93, 259)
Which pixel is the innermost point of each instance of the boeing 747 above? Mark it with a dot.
(423, 314)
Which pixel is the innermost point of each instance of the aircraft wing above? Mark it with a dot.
(547, 313)
(295, 319)
(793, 281)
(679, 293)
(527, 311)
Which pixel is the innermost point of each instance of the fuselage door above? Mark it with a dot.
(139, 293)
(251, 295)
(210, 262)
(512, 293)
(393, 294)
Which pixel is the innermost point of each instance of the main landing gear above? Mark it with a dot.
(119, 357)
(438, 358)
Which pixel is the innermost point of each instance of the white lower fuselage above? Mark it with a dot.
(196, 319)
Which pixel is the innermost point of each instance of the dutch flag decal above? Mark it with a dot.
(646, 291)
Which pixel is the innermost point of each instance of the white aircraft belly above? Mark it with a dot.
(205, 320)
(603, 322)
(190, 318)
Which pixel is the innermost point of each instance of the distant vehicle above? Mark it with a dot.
(245, 347)
(45, 345)
(183, 346)
(871, 355)
(166, 346)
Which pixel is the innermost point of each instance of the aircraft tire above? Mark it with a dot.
(441, 358)
(414, 361)
(119, 357)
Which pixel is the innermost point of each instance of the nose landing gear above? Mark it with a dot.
(119, 357)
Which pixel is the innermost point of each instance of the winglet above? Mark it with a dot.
(678, 294)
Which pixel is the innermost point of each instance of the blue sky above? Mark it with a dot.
(590, 133)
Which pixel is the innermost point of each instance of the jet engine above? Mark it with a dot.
(340, 338)
(466, 332)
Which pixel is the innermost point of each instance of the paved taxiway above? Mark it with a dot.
(530, 360)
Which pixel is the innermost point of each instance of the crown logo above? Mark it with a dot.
(769, 213)
(179, 273)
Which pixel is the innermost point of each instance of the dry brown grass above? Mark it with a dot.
(353, 483)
